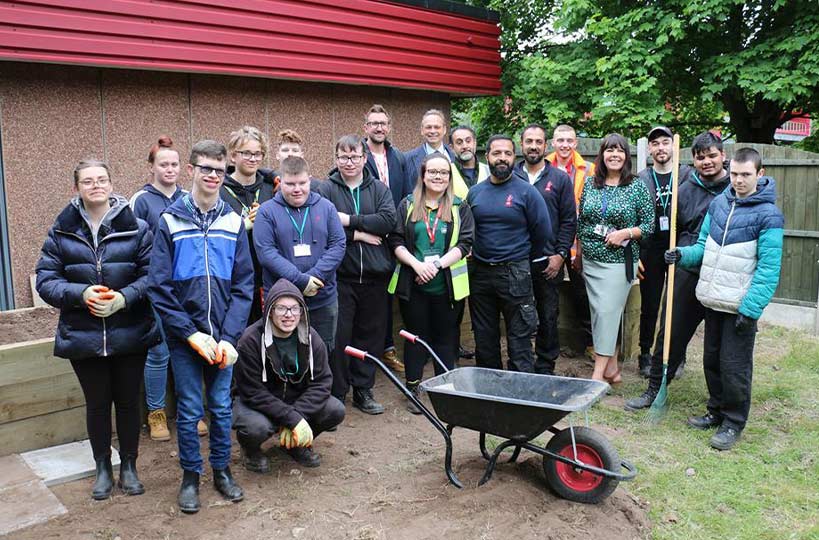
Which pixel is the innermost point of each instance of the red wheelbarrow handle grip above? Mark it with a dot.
(406, 335)
(355, 353)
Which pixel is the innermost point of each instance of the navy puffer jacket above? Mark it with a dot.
(72, 260)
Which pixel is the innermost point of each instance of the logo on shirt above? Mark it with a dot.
(508, 203)
(548, 186)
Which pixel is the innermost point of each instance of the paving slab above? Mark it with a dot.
(24, 499)
(65, 463)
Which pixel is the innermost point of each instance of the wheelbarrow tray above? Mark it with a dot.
(509, 404)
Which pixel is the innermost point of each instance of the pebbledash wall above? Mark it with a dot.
(106, 78)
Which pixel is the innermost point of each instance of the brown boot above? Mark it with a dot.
(158, 425)
(391, 360)
(202, 428)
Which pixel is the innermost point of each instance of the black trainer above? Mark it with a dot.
(642, 402)
(225, 484)
(725, 438)
(413, 388)
(305, 456)
(680, 371)
(188, 498)
(104, 483)
(465, 353)
(644, 363)
(128, 480)
(364, 401)
(255, 460)
(705, 421)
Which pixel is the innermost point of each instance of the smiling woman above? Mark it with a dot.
(615, 212)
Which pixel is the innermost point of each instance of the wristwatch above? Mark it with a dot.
(562, 253)
(437, 263)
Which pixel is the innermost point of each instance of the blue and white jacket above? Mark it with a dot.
(201, 278)
(740, 250)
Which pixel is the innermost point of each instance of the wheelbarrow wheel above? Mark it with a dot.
(576, 484)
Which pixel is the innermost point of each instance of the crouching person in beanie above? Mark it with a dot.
(282, 382)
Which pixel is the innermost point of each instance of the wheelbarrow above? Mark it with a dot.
(580, 464)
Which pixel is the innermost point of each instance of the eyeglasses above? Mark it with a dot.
(207, 171)
(251, 155)
(377, 124)
(88, 182)
(432, 173)
(354, 159)
(281, 310)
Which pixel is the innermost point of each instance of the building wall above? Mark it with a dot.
(51, 116)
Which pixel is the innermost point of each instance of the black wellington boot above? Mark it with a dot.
(128, 479)
(104, 484)
(188, 498)
(225, 484)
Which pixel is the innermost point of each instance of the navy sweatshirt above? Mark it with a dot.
(557, 190)
(511, 221)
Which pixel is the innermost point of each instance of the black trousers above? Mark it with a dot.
(685, 318)
(502, 289)
(362, 323)
(581, 303)
(106, 381)
(435, 318)
(728, 362)
(253, 427)
(547, 301)
(651, 292)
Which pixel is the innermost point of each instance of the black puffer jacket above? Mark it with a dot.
(72, 260)
(363, 263)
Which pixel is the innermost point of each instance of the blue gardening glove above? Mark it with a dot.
(672, 256)
(744, 325)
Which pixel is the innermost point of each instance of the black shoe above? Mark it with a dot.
(255, 460)
(188, 498)
(644, 363)
(364, 401)
(706, 421)
(465, 353)
(680, 371)
(725, 438)
(224, 484)
(305, 456)
(128, 480)
(642, 402)
(104, 484)
(411, 407)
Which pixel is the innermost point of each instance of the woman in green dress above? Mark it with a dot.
(615, 213)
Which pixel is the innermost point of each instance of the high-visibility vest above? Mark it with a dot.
(458, 271)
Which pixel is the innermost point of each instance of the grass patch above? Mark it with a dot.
(766, 487)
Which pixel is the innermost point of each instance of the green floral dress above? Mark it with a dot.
(625, 206)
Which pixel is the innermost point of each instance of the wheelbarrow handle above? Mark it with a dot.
(414, 338)
(355, 353)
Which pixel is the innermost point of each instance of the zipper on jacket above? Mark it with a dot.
(360, 264)
(722, 245)
(207, 278)
(99, 281)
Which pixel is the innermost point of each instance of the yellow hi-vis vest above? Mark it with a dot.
(458, 271)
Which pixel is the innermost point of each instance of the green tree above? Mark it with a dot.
(623, 65)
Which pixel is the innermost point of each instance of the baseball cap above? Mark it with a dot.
(659, 131)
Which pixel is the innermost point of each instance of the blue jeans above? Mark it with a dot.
(189, 369)
(156, 371)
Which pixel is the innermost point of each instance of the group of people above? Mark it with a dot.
(255, 280)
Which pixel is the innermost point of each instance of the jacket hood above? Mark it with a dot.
(765, 193)
(281, 288)
(234, 184)
(118, 204)
(312, 199)
(335, 177)
(180, 209)
(153, 191)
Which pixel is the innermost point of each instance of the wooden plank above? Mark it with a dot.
(801, 234)
(20, 362)
(39, 396)
(41, 431)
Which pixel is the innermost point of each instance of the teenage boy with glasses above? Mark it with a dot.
(201, 284)
(367, 213)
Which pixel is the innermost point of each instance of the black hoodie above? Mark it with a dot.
(259, 376)
(363, 263)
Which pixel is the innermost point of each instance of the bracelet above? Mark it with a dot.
(631, 233)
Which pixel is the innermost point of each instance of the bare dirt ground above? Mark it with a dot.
(381, 478)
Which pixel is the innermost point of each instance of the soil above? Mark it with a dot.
(381, 478)
(28, 324)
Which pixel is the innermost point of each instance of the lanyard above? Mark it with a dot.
(355, 193)
(431, 232)
(245, 208)
(383, 173)
(703, 186)
(605, 206)
(663, 199)
(299, 230)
